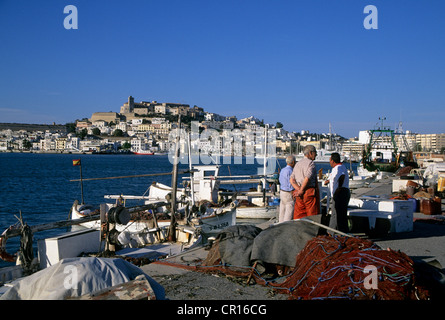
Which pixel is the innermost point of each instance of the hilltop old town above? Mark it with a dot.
(145, 127)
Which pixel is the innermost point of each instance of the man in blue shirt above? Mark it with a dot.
(286, 199)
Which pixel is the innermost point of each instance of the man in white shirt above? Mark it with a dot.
(340, 194)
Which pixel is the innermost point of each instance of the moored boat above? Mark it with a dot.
(257, 212)
(144, 152)
(382, 154)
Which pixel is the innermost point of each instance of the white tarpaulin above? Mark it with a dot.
(74, 277)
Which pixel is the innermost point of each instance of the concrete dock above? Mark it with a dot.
(183, 284)
(425, 242)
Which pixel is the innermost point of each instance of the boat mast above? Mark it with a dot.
(172, 231)
(81, 183)
(264, 165)
(192, 187)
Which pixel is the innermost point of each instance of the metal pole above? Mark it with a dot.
(172, 228)
(325, 227)
(264, 165)
(192, 182)
(81, 183)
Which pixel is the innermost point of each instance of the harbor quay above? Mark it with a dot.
(424, 243)
(182, 276)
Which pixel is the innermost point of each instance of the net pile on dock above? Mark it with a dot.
(334, 268)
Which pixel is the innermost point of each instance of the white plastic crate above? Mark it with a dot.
(398, 212)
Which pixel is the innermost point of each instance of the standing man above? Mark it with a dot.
(340, 194)
(304, 180)
(286, 199)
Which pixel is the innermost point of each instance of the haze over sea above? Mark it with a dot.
(39, 185)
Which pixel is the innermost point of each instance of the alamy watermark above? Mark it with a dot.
(371, 20)
(371, 280)
(71, 280)
(71, 20)
(249, 146)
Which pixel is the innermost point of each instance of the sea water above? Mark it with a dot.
(38, 186)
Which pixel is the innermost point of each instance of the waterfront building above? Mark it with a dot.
(156, 128)
(105, 116)
(73, 143)
(47, 144)
(80, 125)
(353, 149)
(61, 143)
(4, 145)
(122, 126)
(434, 142)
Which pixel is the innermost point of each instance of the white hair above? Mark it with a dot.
(290, 159)
(309, 148)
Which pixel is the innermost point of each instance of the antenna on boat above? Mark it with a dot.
(383, 127)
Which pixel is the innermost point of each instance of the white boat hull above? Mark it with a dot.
(213, 224)
(256, 212)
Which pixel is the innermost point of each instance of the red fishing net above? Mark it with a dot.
(337, 268)
(343, 267)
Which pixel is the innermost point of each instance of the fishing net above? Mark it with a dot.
(335, 267)
(338, 267)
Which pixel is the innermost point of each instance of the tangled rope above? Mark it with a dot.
(26, 252)
(338, 268)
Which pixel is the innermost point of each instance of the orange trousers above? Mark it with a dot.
(308, 204)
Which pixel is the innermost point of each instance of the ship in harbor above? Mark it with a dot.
(381, 153)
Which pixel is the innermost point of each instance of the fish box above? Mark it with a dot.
(68, 245)
(398, 212)
(401, 184)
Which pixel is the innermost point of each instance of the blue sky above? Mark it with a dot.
(303, 63)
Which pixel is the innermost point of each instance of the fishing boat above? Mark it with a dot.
(209, 219)
(144, 152)
(257, 204)
(201, 211)
(252, 211)
(117, 230)
(382, 154)
(111, 244)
